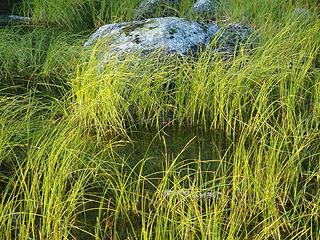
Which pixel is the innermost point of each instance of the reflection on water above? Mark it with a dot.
(186, 144)
(190, 149)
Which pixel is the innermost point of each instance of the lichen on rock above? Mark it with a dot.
(152, 8)
(170, 34)
(14, 19)
(232, 36)
(206, 8)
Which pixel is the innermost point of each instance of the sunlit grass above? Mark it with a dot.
(253, 86)
(73, 165)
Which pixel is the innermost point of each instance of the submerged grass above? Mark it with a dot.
(75, 165)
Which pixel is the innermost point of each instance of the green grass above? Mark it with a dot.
(41, 58)
(87, 150)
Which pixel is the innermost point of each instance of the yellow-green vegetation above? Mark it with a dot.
(91, 152)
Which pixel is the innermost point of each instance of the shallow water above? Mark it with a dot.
(185, 144)
(189, 147)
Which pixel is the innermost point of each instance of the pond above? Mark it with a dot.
(151, 152)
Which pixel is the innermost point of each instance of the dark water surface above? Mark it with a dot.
(189, 147)
(185, 145)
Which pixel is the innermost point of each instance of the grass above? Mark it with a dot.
(42, 58)
(88, 151)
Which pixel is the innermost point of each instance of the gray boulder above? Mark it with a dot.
(14, 19)
(149, 8)
(164, 8)
(303, 13)
(206, 8)
(232, 36)
(171, 34)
